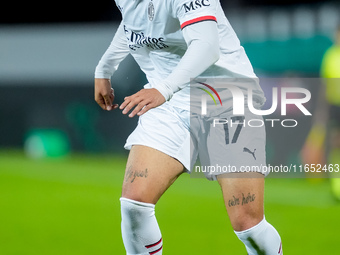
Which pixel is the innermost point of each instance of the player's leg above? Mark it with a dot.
(149, 173)
(243, 196)
(242, 147)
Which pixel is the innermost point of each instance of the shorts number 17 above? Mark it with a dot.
(234, 119)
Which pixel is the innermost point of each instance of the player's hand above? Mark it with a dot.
(143, 101)
(104, 94)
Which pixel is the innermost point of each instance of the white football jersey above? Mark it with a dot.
(153, 29)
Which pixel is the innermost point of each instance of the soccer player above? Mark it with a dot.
(174, 41)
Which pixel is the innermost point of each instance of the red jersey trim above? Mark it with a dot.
(200, 19)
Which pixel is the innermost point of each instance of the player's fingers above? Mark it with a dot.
(125, 103)
(126, 106)
(145, 109)
(108, 102)
(112, 94)
(101, 102)
(137, 108)
(129, 99)
(130, 105)
(130, 102)
(112, 98)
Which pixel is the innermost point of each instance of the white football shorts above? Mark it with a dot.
(226, 144)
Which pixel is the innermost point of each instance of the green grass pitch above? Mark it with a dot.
(71, 206)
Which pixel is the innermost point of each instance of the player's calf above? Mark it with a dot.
(243, 196)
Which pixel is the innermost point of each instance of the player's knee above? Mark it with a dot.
(134, 192)
(140, 230)
(132, 211)
(134, 214)
(245, 220)
(138, 194)
(135, 196)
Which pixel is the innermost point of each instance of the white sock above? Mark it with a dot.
(261, 239)
(140, 230)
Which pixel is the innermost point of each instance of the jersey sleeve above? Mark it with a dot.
(203, 51)
(194, 11)
(112, 57)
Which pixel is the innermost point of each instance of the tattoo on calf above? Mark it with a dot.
(133, 174)
(234, 201)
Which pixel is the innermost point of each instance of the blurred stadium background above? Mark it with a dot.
(62, 160)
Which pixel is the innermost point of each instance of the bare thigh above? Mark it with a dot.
(149, 173)
(243, 197)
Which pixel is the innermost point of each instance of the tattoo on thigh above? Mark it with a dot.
(133, 174)
(234, 201)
